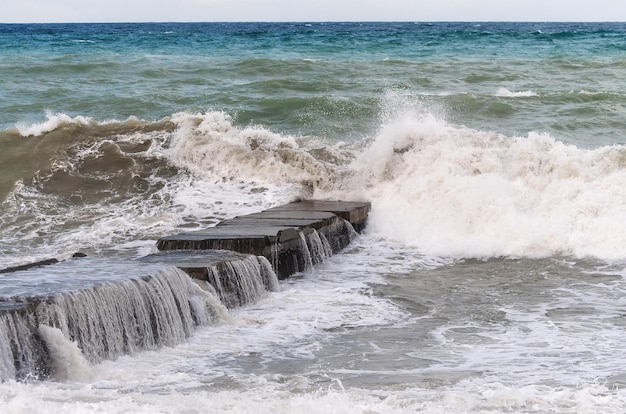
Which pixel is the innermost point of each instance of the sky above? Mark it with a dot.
(45, 11)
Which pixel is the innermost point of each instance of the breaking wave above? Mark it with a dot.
(459, 192)
(446, 190)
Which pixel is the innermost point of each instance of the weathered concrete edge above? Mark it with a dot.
(356, 212)
(281, 245)
(288, 238)
(29, 265)
(276, 233)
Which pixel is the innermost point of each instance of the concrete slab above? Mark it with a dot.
(292, 214)
(277, 233)
(236, 278)
(354, 211)
(286, 218)
(193, 259)
(260, 240)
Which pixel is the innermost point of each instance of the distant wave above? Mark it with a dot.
(505, 93)
(52, 122)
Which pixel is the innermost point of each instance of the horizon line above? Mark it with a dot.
(310, 21)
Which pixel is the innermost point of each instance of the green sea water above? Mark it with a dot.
(339, 80)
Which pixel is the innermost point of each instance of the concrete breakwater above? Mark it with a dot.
(104, 308)
(286, 235)
(159, 299)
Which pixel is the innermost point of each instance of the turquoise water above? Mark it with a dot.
(490, 277)
(332, 79)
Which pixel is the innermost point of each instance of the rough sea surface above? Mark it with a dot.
(490, 278)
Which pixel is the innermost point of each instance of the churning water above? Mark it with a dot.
(490, 277)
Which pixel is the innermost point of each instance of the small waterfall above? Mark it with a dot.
(7, 366)
(274, 257)
(305, 260)
(22, 356)
(141, 313)
(243, 281)
(312, 248)
(338, 235)
(270, 281)
(319, 248)
(104, 321)
(315, 247)
(207, 306)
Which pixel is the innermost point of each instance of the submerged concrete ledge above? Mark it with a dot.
(107, 307)
(29, 266)
(283, 234)
(237, 279)
(151, 302)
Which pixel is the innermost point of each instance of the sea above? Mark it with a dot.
(491, 276)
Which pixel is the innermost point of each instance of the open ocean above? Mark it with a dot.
(490, 278)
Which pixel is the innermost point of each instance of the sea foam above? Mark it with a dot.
(455, 191)
(52, 122)
(450, 191)
(506, 93)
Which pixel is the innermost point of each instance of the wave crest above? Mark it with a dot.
(210, 145)
(459, 192)
(446, 190)
(505, 93)
(53, 121)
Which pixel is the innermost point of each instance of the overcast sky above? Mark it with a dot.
(42, 11)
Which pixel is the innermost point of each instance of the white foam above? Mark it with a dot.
(202, 192)
(506, 93)
(52, 122)
(59, 120)
(446, 190)
(211, 147)
(454, 191)
(236, 366)
(68, 362)
(272, 398)
(228, 368)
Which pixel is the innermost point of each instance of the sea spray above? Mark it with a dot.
(211, 146)
(457, 191)
(67, 360)
(454, 191)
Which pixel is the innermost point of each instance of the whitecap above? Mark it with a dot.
(506, 93)
(52, 122)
